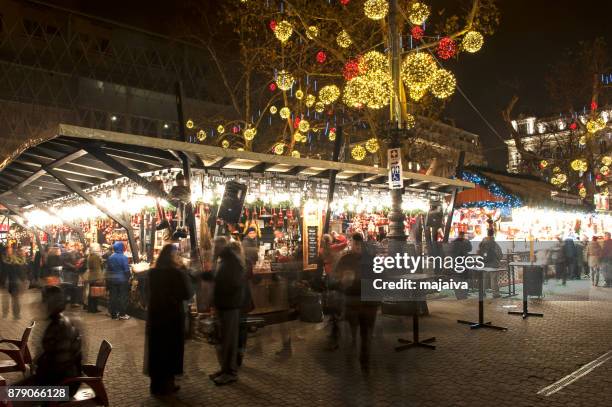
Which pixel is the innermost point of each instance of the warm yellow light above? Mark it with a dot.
(319, 107)
(417, 93)
(543, 164)
(273, 109)
(225, 144)
(582, 192)
(344, 39)
(201, 135)
(329, 94)
(372, 145)
(221, 129)
(285, 113)
(418, 13)
(299, 94)
(472, 41)
(249, 134)
(595, 125)
(295, 154)
(409, 120)
(579, 165)
(310, 100)
(279, 148)
(312, 32)
(606, 160)
(358, 152)
(443, 84)
(376, 9)
(304, 126)
(332, 135)
(284, 80)
(418, 70)
(189, 124)
(283, 30)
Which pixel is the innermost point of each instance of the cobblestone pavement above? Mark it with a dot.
(469, 368)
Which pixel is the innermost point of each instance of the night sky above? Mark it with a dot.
(532, 35)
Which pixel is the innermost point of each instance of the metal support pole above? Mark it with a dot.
(451, 208)
(332, 178)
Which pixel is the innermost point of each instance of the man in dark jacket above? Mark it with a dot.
(118, 277)
(492, 256)
(460, 247)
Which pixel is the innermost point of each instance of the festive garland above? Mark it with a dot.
(509, 201)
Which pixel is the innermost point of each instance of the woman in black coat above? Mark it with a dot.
(167, 287)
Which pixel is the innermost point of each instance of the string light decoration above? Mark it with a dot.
(310, 100)
(295, 154)
(321, 57)
(312, 32)
(284, 80)
(418, 13)
(319, 107)
(446, 48)
(417, 32)
(606, 160)
(249, 134)
(556, 170)
(605, 170)
(273, 109)
(508, 201)
(579, 164)
(443, 84)
(582, 140)
(272, 87)
(283, 30)
(417, 94)
(595, 125)
(418, 69)
(272, 24)
(225, 144)
(279, 148)
(285, 113)
(372, 63)
(189, 124)
(582, 192)
(358, 152)
(372, 145)
(472, 41)
(409, 120)
(201, 135)
(329, 94)
(332, 134)
(297, 136)
(558, 179)
(543, 164)
(353, 95)
(344, 39)
(376, 9)
(351, 69)
(304, 126)
(220, 129)
(299, 94)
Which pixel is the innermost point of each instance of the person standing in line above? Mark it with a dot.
(118, 277)
(70, 275)
(16, 267)
(593, 257)
(168, 286)
(492, 255)
(93, 277)
(570, 256)
(229, 301)
(250, 245)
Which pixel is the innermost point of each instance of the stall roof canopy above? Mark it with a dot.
(80, 156)
(529, 190)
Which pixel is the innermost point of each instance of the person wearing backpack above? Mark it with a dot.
(492, 255)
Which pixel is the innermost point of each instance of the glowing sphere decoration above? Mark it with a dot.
(378, 93)
(409, 120)
(273, 109)
(344, 39)
(605, 170)
(296, 122)
(358, 152)
(345, 2)
(285, 113)
(543, 164)
(249, 134)
(606, 160)
(201, 135)
(304, 126)
(321, 57)
(329, 94)
(312, 32)
(418, 70)
(297, 136)
(354, 92)
(573, 126)
(225, 144)
(319, 107)
(472, 41)
(295, 154)
(417, 93)
(332, 134)
(351, 69)
(272, 87)
(279, 148)
(299, 94)
(372, 145)
(579, 165)
(595, 125)
(283, 31)
(582, 192)
(376, 9)
(582, 140)
(446, 48)
(373, 62)
(272, 24)
(443, 84)
(418, 13)
(417, 32)
(310, 100)
(284, 80)
(189, 124)
(221, 129)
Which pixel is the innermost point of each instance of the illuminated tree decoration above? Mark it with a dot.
(221, 129)
(297, 136)
(558, 179)
(189, 124)
(417, 94)
(272, 24)
(296, 122)
(556, 170)
(582, 192)
(344, 39)
(332, 134)
(573, 126)
(543, 164)
(595, 125)
(446, 48)
(279, 148)
(321, 57)
(273, 109)
(329, 94)
(344, 2)
(605, 170)
(418, 13)
(304, 126)
(372, 145)
(312, 32)
(299, 94)
(472, 41)
(409, 120)
(283, 31)
(295, 154)
(201, 135)
(443, 84)
(319, 107)
(418, 70)
(358, 152)
(284, 80)
(272, 87)
(417, 32)
(606, 160)
(310, 100)
(225, 144)
(376, 9)
(353, 95)
(378, 93)
(582, 140)
(579, 165)
(373, 63)
(249, 134)
(285, 113)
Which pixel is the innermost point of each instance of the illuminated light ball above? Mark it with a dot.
(418, 13)
(446, 48)
(312, 32)
(543, 164)
(321, 57)
(582, 192)
(283, 30)
(297, 136)
(376, 9)
(296, 122)
(372, 145)
(235, 129)
(299, 94)
(285, 113)
(409, 120)
(240, 149)
(372, 62)
(332, 134)
(249, 134)
(189, 124)
(358, 152)
(593, 126)
(354, 92)
(221, 129)
(329, 94)
(578, 164)
(272, 24)
(345, 2)
(279, 148)
(417, 32)
(344, 39)
(582, 140)
(310, 100)
(225, 144)
(605, 170)
(295, 154)
(418, 69)
(573, 126)
(273, 109)
(562, 178)
(593, 105)
(472, 41)
(201, 135)
(272, 87)
(417, 93)
(556, 169)
(351, 69)
(377, 94)
(284, 80)
(304, 126)
(304, 139)
(605, 191)
(606, 160)
(319, 107)
(443, 84)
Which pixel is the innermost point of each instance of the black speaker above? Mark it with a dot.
(232, 202)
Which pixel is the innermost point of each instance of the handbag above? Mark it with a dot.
(97, 291)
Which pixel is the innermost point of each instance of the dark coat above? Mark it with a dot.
(61, 356)
(230, 281)
(165, 328)
(461, 247)
(491, 252)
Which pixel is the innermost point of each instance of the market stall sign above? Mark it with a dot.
(394, 159)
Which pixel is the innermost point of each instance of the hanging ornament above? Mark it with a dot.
(345, 2)
(279, 148)
(321, 57)
(285, 113)
(201, 135)
(329, 94)
(582, 140)
(593, 106)
(606, 160)
(472, 41)
(443, 84)
(272, 24)
(312, 32)
(297, 136)
(220, 129)
(573, 126)
(319, 107)
(358, 152)
(417, 32)
(332, 134)
(543, 164)
(310, 100)
(225, 144)
(189, 124)
(296, 122)
(299, 94)
(344, 39)
(249, 134)
(272, 87)
(595, 125)
(304, 126)
(372, 145)
(582, 192)
(235, 129)
(579, 165)
(418, 13)
(409, 120)
(418, 70)
(273, 109)
(284, 80)
(373, 64)
(605, 170)
(446, 48)
(417, 93)
(351, 69)
(304, 139)
(295, 154)
(283, 31)
(376, 9)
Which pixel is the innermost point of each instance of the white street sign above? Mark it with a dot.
(394, 160)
